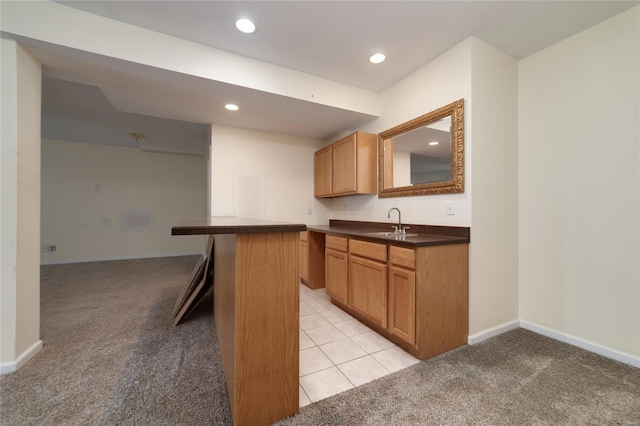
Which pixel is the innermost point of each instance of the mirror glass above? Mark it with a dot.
(425, 155)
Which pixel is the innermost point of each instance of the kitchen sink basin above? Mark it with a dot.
(392, 235)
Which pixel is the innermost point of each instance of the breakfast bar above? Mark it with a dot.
(256, 313)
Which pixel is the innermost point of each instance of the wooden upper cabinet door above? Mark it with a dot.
(336, 274)
(368, 289)
(322, 172)
(402, 303)
(344, 171)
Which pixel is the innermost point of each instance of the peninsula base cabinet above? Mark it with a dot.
(417, 298)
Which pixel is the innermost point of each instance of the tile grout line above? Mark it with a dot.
(319, 300)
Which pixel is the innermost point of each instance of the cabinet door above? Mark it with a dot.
(322, 172)
(343, 175)
(402, 303)
(336, 274)
(368, 289)
(304, 261)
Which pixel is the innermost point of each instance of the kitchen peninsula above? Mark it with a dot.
(256, 313)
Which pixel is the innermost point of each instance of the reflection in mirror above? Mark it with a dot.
(424, 155)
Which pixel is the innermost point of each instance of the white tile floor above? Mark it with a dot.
(337, 352)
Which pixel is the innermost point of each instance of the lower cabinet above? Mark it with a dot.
(368, 289)
(336, 268)
(418, 298)
(312, 253)
(402, 303)
(304, 256)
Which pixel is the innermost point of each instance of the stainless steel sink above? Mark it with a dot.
(392, 235)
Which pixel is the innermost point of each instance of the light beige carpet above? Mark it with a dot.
(111, 356)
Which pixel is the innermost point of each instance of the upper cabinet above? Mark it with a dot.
(322, 172)
(347, 167)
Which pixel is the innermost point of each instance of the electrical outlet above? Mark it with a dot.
(309, 211)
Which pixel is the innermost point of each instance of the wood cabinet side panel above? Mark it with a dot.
(442, 298)
(224, 276)
(322, 172)
(316, 259)
(367, 163)
(267, 328)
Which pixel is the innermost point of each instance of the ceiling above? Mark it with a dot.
(328, 39)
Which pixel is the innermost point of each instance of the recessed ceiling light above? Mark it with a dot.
(377, 58)
(434, 143)
(232, 107)
(245, 25)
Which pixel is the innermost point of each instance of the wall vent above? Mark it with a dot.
(135, 221)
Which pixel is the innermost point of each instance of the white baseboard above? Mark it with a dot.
(106, 259)
(10, 367)
(493, 331)
(614, 354)
(584, 344)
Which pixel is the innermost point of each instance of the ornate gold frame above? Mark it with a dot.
(385, 144)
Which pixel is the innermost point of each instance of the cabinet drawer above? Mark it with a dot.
(304, 235)
(370, 250)
(402, 257)
(336, 243)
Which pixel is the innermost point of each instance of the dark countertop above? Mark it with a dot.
(428, 235)
(233, 225)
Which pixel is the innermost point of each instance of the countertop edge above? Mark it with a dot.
(420, 241)
(230, 225)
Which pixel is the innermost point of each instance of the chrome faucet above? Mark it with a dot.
(398, 229)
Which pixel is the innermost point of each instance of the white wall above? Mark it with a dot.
(442, 81)
(264, 175)
(20, 206)
(493, 293)
(487, 80)
(580, 185)
(86, 186)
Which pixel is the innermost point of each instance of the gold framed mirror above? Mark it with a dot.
(425, 155)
